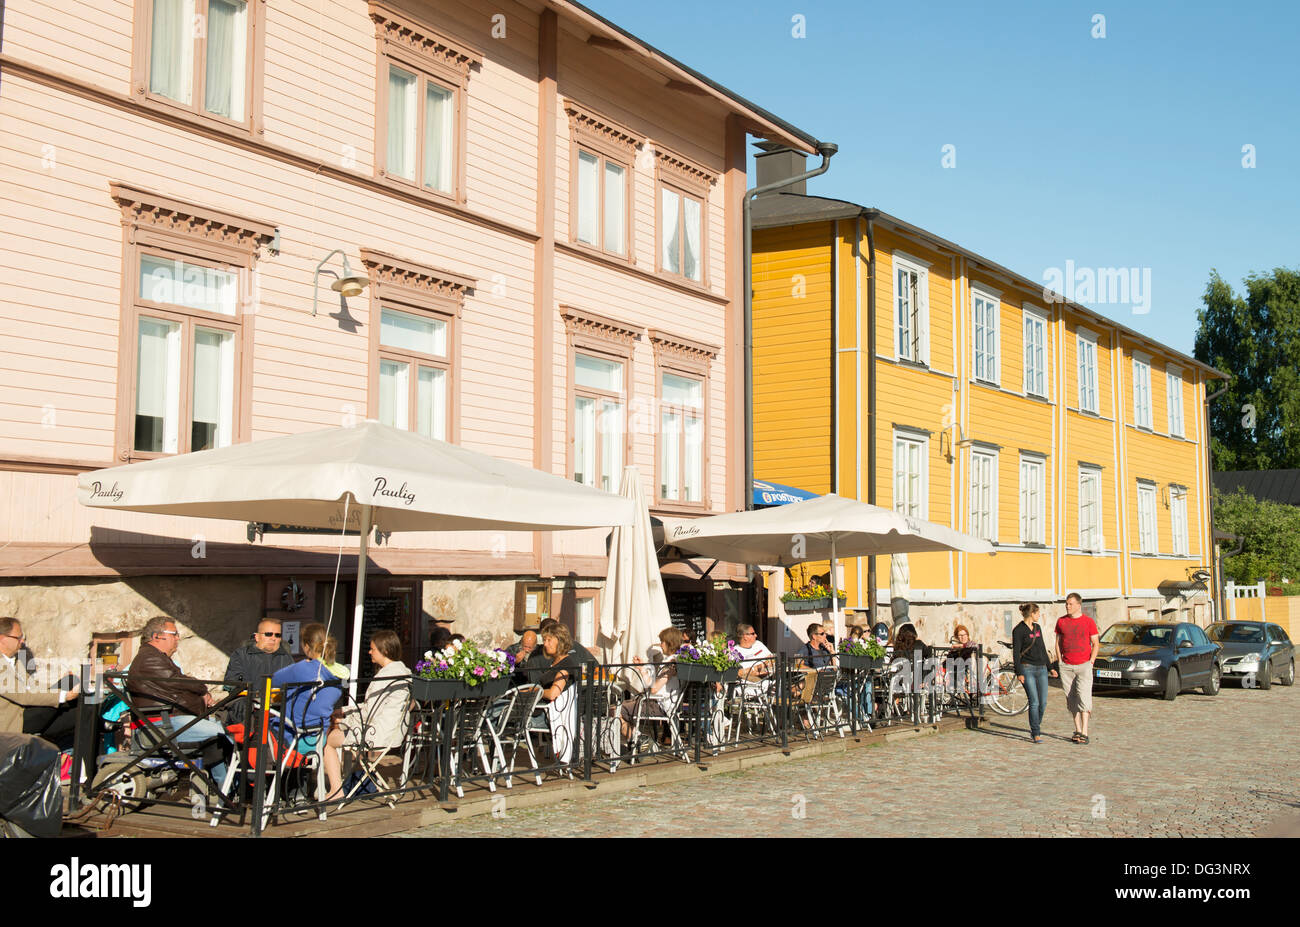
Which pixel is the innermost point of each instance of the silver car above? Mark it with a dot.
(1255, 652)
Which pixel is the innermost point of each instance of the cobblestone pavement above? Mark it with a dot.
(1227, 766)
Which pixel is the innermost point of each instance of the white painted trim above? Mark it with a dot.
(924, 440)
(1080, 552)
(993, 494)
(988, 297)
(1121, 461)
(918, 596)
(1041, 463)
(1100, 593)
(1092, 471)
(1140, 365)
(1027, 311)
(1024, 549)
(922, 271)
(1009, 595)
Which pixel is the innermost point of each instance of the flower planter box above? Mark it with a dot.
(699, 672)
(811, 605)
(858, 662)
(440, 690)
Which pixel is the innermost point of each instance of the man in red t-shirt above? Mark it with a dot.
(1077, 640)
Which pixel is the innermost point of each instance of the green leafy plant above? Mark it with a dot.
(810, 591)
(862, 647)
(717, 652)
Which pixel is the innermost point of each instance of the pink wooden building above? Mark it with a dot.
(547, 215)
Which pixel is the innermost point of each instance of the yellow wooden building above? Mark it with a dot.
(981, 401)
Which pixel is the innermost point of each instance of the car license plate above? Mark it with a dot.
(1108, 674)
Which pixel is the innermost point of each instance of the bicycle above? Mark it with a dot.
(1005, 692)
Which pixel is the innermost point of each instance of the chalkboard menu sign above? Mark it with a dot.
(686, 611)
(379, 613)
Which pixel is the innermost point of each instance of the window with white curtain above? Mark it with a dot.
(681, 218)
(599, 420)
(198, 55)
(985, 308)
(187, 329)
(1087, 349)
(681, 438)
(1141, 392)
(584, 620)
(1178, 519)
(414, 371)
(601, 203)
(1035, 353)
(1174, 399)
(910, 475)
(1090, 509)
(421, 129)
(1147, 532)
(984, 494)
(1032, 501)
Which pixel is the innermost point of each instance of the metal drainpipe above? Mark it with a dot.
(1216, 569)
(827, 150)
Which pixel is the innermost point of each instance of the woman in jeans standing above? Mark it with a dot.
(1032, 666)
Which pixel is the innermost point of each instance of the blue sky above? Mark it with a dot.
(1122, 151)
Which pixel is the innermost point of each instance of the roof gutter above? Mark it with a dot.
(1216, 561)
(827, 150)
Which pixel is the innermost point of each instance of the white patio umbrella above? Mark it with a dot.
(827, 527)
(381, 477)
(633, 609)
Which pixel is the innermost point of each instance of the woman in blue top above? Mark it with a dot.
(306, 704)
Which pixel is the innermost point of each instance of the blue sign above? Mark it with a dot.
(775, 494)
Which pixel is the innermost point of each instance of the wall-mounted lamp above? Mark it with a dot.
(349, 284)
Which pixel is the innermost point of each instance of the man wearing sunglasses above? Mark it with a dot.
(253, 662)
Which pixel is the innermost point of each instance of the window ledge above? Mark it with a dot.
(602, 254)
(248, 129)
(669, 507)
(412, 189)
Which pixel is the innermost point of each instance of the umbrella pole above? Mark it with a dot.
(835, 596)
(359, 608)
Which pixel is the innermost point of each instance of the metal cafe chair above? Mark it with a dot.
(510, 729)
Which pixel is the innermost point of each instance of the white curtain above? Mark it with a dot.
(615, 200)
(670, 479)
(401, 123)
(588, 197)
(214, 381)
(584, 440)
(394, 393)
(694, 459)
(439, 137)
(158, 385)
(224, 85)
(431, 414)
(171, 55)
(692, 266)
(670, 232)
(611, 447)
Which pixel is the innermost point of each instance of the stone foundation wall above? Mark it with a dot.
(60, 616)
(481, 609)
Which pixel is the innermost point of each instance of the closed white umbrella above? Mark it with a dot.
(824, 528)
(381, 477)
(633, 609)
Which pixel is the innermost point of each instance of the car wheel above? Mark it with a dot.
(1173, 685)
(1212, 687)
(1264, 678)
(1288, 678)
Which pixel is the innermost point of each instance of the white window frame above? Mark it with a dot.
(1090, 534)
(1174, 401)
(1035, 378)
(982, 332)
(1148, 533)
(920, 339)
(1087, 374)
(984, 520)
(1142, 391)
(1033, 515)
(918, 508)
(1178, 520)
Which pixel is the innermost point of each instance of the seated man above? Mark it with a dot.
(816, 654)
(523, 648)
(254, 662)
(758, 658)
(158, 683)
(24, 707)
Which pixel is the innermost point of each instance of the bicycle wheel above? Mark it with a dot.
(1008, 696)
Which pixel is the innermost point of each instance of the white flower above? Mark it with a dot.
(457, 644)
(428, 654)
(501, 656)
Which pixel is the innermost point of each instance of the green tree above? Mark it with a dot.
(1269, 533)
(1255, 339)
